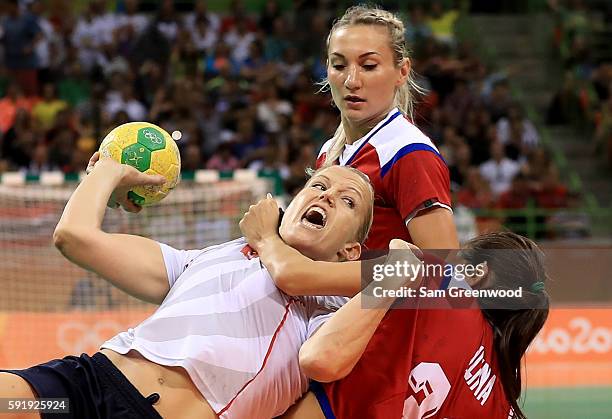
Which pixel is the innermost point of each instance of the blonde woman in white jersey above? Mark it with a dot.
(224, 341)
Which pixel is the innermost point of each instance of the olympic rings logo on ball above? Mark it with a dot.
(77, 337)
(153, 137)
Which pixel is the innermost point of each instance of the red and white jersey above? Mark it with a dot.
(435, 363)
(407, 172)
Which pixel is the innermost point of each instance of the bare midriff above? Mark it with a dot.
(178, 396)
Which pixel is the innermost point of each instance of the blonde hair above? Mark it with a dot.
(366, 15)
(364, 229)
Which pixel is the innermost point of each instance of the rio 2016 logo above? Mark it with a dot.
(76, 337)
(577, 337)
(153, 137)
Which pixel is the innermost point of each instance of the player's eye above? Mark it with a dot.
(349, 202)
(338, 67)
(369, 67)
(318, 186)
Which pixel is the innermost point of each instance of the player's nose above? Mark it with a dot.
(327, 196)
(352, 81)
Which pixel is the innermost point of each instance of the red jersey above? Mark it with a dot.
(435, 363)
(406, 170)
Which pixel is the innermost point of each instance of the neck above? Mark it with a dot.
(354, 130)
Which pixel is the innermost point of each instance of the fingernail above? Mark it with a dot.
(269, 195)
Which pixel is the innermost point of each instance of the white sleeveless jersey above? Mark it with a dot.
(236, 334)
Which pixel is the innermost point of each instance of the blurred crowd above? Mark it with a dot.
(241, 87)
(582, 42)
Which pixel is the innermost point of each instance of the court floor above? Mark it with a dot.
(569, 403)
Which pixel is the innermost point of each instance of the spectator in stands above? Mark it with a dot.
(223, 159)
(19, 34)
(62, 140)
(39, 162)
(442, 22)
(167, 21)
(551, 193)
(126, 101)
(90, 34)
(499, 170)
(49, 48)
(476, 192)
(203, 35)
(92, 109)
(272, 109)
(19, 141)
(418, 28)
(537, 167)
(499, 101)
(191, 158)
(202, 14)
(74, 87)
(152, 45)
(459, 102)
(269, 14)
(130, 24)
(44, 112)
(276, 43)
(239, 39)
(255, 66)
(515, 198)
(220, 61)
(271, 159)
(519, 126)
(460, 165)
(12, 101)
(184, 58)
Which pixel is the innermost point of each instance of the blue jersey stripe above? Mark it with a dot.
(318, 391)
(387, 122)
(406, 150)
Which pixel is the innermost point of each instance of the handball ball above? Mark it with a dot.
(149, 149)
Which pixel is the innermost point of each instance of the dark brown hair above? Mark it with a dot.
(514, 327)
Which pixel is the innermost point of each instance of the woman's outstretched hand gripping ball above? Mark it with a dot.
(151, 150)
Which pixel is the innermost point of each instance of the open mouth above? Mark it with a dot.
(315, 217)
(353, 99)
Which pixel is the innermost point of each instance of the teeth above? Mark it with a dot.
(320, 211)
(311, 225)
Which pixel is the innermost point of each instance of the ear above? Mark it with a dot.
(350, 251)
(404, 73)
(480, 277)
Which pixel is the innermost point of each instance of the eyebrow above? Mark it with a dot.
(359, 194)
(323, 176)
(361, 56)
(349, 188)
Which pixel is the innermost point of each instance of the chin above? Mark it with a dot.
(358, 115)
(308, 245)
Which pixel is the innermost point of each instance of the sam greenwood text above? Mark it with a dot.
(453, 292)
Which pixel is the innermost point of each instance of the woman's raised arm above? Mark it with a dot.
(132, 263)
